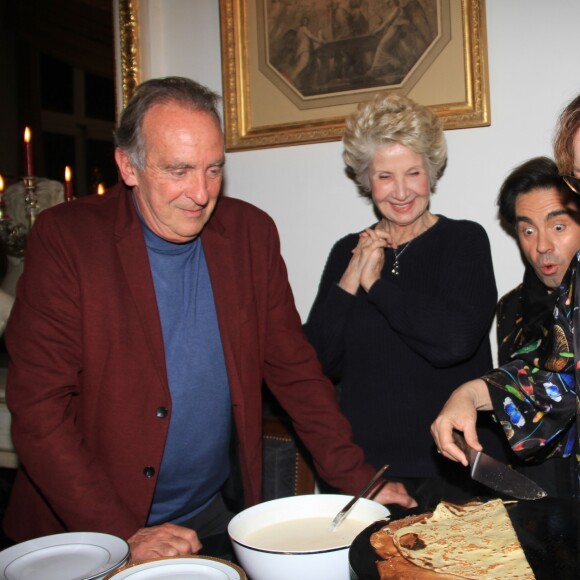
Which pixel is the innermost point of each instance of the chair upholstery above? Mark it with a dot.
(287, 468)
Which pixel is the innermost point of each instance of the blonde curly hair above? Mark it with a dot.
(568, 125)
(388, 119)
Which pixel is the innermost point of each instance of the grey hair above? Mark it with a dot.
(129, 136)
(388, 119)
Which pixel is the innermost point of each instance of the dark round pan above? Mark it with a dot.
(547, 529)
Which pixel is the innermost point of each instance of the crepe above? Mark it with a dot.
(471, 541)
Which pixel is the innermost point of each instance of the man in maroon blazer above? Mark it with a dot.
(145, 323)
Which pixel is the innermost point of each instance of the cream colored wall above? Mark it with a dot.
(533, 48)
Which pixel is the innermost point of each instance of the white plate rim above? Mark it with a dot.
(216, 563)
(117, 547)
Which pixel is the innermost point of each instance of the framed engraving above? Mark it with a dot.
(293, 70)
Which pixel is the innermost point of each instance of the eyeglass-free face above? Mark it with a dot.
(548, 232)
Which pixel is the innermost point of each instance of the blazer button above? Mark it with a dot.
(162, 412)
(149, 471)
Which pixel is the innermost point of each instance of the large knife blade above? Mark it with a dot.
(497, 475)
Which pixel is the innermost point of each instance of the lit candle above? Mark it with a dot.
(100, 189)
(68, 190)
(28, 162)
(3, 214)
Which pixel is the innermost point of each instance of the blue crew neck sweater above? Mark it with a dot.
(195, 460)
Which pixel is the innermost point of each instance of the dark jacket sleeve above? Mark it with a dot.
(45, 342)
(535, 407)
(509, 326)
(445, 325)
(325, 326)
(293, 374)
(534, 396)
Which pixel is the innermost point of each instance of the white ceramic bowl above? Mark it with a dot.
(315, 564)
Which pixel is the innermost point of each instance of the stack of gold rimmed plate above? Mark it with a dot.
(190, 567)
(69, 556)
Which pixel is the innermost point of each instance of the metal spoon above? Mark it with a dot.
(339, 518)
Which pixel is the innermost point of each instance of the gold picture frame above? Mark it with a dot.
(129, 54)
(262, 109)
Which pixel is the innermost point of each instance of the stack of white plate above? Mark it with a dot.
(70, 556)
(190, 567)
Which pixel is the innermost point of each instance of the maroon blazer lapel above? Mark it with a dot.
(220, 257)
(135, 263)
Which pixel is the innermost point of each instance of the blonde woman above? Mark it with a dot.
(404, 308)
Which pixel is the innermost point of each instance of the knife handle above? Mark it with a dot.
(460, 441)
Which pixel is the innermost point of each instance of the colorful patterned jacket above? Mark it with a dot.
(535, 396)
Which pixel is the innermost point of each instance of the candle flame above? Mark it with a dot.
(67, 173)
(100, 189)
(1, 184)
(27, 135)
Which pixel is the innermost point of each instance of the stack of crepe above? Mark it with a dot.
(470, 541)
